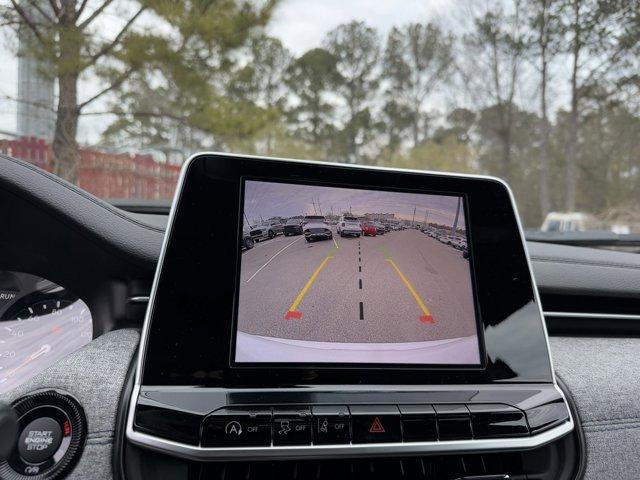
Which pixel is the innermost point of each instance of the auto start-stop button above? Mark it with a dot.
(39, 440)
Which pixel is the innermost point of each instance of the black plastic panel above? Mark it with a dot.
(269, 419)
(195, 288)
(171, 424)
(497, 421)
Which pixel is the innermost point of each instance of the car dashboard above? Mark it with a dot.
(76, 275)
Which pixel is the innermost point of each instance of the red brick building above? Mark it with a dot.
(106, 175)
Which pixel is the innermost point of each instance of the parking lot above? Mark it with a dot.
(403, 286)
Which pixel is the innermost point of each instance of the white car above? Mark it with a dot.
(349, 226)
(457, 242)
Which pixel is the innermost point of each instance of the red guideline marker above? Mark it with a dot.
(293, 315)
(56, 329)
(427, 319)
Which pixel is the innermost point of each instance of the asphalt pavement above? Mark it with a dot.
(399, 287)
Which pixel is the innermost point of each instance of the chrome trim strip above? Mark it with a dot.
(186, 450)
(612, 316)
(138, 299)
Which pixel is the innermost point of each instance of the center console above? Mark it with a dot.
(310, 312)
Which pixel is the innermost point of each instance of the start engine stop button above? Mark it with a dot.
(39, 440)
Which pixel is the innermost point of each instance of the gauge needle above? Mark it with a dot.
(43, 350)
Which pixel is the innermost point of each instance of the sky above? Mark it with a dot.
(268, 199)
(300, 24)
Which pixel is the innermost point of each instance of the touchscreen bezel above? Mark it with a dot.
(364, 365)
(188, 330)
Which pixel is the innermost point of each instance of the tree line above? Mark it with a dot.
(543, 93)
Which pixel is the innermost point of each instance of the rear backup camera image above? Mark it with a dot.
(341, 275)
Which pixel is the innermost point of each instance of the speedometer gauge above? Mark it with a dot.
(40, 322)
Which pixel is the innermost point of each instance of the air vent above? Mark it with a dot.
(590, 304)
(441, 467)
(591, 314)
(558, 461)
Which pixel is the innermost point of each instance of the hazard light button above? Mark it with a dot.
(375, 424)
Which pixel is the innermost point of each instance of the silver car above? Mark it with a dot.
(316, 228)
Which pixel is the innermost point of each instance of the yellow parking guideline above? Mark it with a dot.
(426, 314)
(293, 312)
(334, 242)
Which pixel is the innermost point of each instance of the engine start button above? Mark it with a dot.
(39, 440)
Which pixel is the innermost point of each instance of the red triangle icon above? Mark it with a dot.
(376, 426)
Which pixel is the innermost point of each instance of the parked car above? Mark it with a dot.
(446, 239)
(313, 218)
(293, 227)
(316, 228)
(266, 230)
(247, 242)
(349, 226)
(380, 228)
(457, 242)
(570, 222)
(368, 229)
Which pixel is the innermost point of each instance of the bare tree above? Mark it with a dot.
(595, 43)
(417, 59)
(356, 48)
(544, 48)
(494, 51)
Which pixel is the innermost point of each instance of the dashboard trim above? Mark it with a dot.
(194, 452)
(611, 316)
(140, 299)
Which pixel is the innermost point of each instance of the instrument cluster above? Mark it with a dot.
(40, 322)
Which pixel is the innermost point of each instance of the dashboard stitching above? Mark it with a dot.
(609, 428)
(611, 421)
(82, 193)
(586, 263)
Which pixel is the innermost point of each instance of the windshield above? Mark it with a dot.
(114, 96)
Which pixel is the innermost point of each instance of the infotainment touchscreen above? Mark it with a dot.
(354, 276)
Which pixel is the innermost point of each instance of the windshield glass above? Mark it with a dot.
(114, 96)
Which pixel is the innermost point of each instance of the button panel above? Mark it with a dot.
(237, 428)
(331, 425)
(291, 426)
(454, 422)
(266, 426)
(376, 424)
(419, 423)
